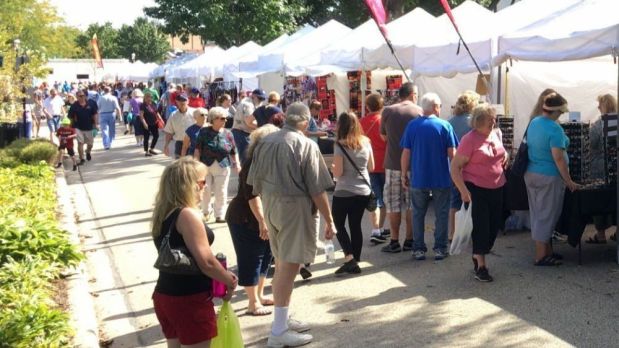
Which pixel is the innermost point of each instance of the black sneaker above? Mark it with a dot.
(392, 248)
(88, 156)
(378, 239)
(386, 233)
(482, 275)
(349, 267)
(305, 273)
(81, 162)
(74, 167)
(407, 245)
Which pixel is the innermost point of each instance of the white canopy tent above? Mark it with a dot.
(193, 68)
(588, 29)
(251, 67)
(164, 69)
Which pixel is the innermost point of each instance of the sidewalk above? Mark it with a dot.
(395, 302)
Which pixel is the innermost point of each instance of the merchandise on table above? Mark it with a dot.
(219, 88)
(579, 150)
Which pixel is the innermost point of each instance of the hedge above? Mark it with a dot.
(33, 252)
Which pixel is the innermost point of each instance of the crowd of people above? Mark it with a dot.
(402, 157)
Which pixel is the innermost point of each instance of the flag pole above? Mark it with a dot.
(447, 9)
(377, 10)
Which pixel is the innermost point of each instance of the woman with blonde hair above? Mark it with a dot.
(477, 171)
(538, 108)
(183, 303)
(250, 234)
(215, 147)
(461, 123)
(607, 104)
(352, 155)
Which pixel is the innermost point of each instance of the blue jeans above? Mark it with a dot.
(377, 180)
(241, 140)
(420, 199)
(53, 123)
(108, 128)
(253, 255)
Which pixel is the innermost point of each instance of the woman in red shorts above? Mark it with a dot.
(183, 303)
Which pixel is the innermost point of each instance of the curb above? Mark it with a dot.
(82, 312)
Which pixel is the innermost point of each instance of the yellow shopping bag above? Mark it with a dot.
(228, 329)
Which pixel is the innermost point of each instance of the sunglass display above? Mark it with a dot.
(579, 150)
(506, 125)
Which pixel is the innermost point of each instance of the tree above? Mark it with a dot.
(42, 34)
(234, 22)
(228, 22)
(107, 38)
(144, 39)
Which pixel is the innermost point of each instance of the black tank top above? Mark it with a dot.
(176, 284)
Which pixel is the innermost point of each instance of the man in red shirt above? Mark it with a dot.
(371, 127)
(195, 100)
(66, 134)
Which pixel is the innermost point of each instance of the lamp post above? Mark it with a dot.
(16, 44)
(132, 57)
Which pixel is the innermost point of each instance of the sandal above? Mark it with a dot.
(595, 240)
(267, 302)
(259, 312)
(548, 261)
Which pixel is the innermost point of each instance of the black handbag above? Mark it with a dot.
(175, 260)
(372, 204)
(521, 161)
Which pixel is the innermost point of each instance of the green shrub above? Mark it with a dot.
(29, 318)
(33, 251)
(24, 151)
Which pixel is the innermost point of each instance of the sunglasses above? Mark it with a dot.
(221, 118)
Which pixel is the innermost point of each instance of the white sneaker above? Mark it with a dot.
(289, 339)
(298, 326)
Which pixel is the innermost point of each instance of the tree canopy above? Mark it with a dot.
(233, 22)
(143, 37)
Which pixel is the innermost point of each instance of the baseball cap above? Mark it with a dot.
(259, 93)
(65, 121)
(195, 91)
(181, 97)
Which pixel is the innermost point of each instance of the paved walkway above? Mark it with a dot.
(395, 302)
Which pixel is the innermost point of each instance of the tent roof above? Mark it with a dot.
(588, 29)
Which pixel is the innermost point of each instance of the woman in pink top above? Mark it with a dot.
(477, 172)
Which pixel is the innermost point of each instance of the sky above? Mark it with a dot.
(81, 13)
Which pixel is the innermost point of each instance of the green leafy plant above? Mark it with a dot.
(33, 252)
(31, 151)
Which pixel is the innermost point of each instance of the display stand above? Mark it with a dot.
(391, 95)
(579, 150)
(298, 89)
(506, 125)
(327, 98)
(357, 91)
(610, 147)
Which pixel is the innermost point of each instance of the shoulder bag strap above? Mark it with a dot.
(353, 164)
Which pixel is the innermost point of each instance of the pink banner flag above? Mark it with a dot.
(448, 12)
(379, 14)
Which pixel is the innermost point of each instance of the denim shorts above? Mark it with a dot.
(377, 180)
(456, 200)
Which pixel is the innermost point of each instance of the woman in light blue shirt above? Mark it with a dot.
(547, 176)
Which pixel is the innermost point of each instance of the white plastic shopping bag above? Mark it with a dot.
(463, 229)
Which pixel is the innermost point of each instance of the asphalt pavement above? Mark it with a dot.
(394, 302)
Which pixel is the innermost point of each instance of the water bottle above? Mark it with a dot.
(329, 252)
(219, 288)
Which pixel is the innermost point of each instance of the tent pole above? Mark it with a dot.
(616, 54)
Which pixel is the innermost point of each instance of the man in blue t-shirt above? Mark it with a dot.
(428, 144)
